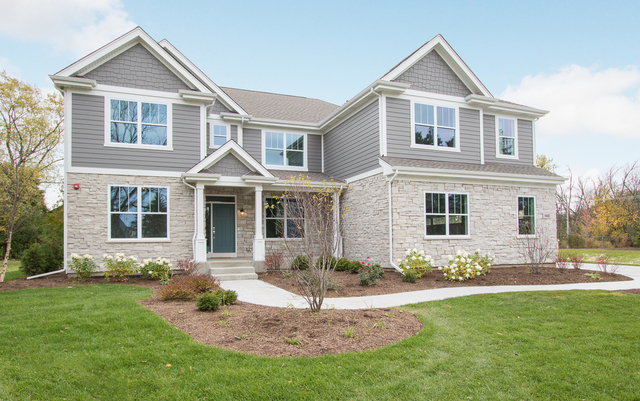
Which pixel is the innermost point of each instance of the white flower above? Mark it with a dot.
(439, 267)
(87, 256)
(458, 252)
(429, 257)
(408, 252)
(108, 257)
(467, 275)
(415, 250)
(449, 257)
(478, 250)
(414, 258)
(75, 256)
(461, 279)
(170, 265)
(479, 268)
(469, 270)
(133, 258)
(465, 254)
(119, 255)
(421, 252)
(463, 260)
(398, 261)
(104, 255)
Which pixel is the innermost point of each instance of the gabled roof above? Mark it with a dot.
(230, 147)
(273, 106)
(453, 60)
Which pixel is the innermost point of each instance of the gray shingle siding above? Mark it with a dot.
(252, 142)
(525, 142)
(230, 166)
(137, 68)
(88, 132)
(314, 152)
(399, 135)
(218, 108)
(432, 74)
(353, 147)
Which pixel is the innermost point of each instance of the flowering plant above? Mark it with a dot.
(119, 267)
(465, 267)
(83, 265)
(160, 268)
(417, 262)
(369, 272)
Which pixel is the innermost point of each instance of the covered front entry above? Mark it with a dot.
(220, 225)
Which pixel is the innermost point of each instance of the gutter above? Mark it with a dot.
(391, 224)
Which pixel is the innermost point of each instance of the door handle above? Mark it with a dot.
(213, 232)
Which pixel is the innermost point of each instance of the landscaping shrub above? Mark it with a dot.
(563, 263)
(330, 260)
(332, 284)
(273, 261)
(417, 262)
(343, 265)
(301, 262)
(198, 283)
(576, 261)
(466, 267)
(187, 266)
(41, 258)
(84, 266)
(209, 301)
(176, 291)
(576, 241)
(159, 269)
(228, 297)
(370, 273)
(119, 267)
(354, 266)
(410, 276)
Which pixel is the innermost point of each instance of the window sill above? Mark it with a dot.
(137, 146)
(291, 168)
(511, 157)
(449, 237)
(134, 240)
(433, 147)
(527, 236)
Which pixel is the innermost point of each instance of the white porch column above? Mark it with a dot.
(258, 241)
(200, 251)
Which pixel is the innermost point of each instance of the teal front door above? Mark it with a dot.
(221, 227)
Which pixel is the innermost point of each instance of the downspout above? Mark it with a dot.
(195, 214)
(391, 225)
(64, 269)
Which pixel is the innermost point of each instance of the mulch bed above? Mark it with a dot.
(391, 282)
(268, 331)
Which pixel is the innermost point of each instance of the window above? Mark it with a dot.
(218, 135)
(434, 126)
(282, 149)
(507, 137)
(138, 123)
(283, 219)
(133, 204)
(446, 214)
(526, 215)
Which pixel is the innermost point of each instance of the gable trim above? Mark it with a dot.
(231, 147)
(453, 60)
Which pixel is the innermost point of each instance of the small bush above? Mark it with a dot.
(576, 241)
(589, 243)
(417, 261)
(410, 276)
(199, 283)
(209, 301)
(332, 284)
(176, 291)
(343, 265)
(273, 261)
(119, 267)
(301, 262)
(40, 258)
(354, 266)
(370, 274)
(576, 261)
(330, 261)
(187, 266)
(563, 263)
(159, 269)
(466, 267)
(228, 297)
(84, 266)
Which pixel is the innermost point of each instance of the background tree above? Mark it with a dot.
(30, 132)
(546, 163)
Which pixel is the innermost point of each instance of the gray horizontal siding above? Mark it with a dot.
(353, 147)
(314, 153)
(525, 142)
(233, 132)
(87, 140)
(399, 135)
(252, 142)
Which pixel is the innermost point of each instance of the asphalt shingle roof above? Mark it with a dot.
(488, 168)
(275, 106)
(313, 177)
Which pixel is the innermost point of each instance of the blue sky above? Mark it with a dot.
(577, 59)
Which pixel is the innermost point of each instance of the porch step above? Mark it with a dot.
(227, 269)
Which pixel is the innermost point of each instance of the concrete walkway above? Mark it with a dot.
(261, 293)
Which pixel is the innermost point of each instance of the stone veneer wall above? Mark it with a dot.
(366, 226)
(88, 214)
(493, 220)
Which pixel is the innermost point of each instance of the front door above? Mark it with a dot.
(221, 228)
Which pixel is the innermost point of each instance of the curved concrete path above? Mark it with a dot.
(261, 293)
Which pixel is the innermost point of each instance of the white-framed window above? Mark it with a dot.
(138, 212)
(435, 126)
(219, 133)
(526, 215)
(138, 122)
(284, 150)
(446, 214)
(506, 137)
(283, 219)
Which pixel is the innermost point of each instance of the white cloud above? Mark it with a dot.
(5, 65)
(78, 26)
(583, 101)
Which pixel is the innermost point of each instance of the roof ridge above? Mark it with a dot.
(274, 93)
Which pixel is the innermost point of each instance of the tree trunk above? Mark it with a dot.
(6, 256)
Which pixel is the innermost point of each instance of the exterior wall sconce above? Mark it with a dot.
(242, 212)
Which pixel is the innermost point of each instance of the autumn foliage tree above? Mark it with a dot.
(30, 132)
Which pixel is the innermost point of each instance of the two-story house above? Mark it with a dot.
(160, 161)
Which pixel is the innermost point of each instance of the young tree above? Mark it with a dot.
(310, 227)
(30, 131)
(536, 250)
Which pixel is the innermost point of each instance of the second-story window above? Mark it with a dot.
(219, 134)
(435, 126)
(507, 134)
(137, 123)
(282, 149)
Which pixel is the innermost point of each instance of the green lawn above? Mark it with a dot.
(97, 342)
(13, 270)
(621, 257)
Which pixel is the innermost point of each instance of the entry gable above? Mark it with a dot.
(230, 158)
(436, 67)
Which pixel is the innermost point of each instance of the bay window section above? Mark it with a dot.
(526, 215)
(283, 218)
(282, 149)
(434, 126)
(446, 214)
(138, 212)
